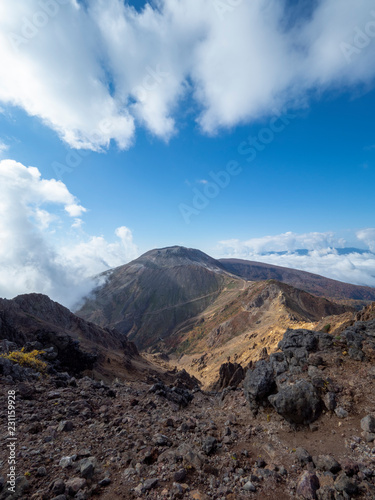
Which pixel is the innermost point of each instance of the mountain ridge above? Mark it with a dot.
(163, 294)
(310, 282)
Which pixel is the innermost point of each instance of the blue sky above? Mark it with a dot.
(135, 112)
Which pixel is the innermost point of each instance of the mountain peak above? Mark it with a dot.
(178, 256)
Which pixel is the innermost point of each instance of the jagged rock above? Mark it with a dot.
(209, 445)
(105, 482)
(278, 363)
(161, 440)
(230, 375)
(340, 412)
(15, 372)
(181, 397)
(369, 436)
(326, 463)
(329, 400)
(298, 403)
(74, 485)
(87, 467)
(249, 486)
(149, 484)
(299, 343)
(356, 353)
(58, 487)
(307, 485)
(299, 338)
(353, 338)
(190, 456)
(350, 468)
(66, 462)
(26, 391)
(259, 384)
(180, 475)
(303, 456)
(368, 423)
(6, 346)
(183, 380)
(65, 426)
(344, 484)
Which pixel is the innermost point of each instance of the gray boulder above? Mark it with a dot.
(259, 384)
(298, 403)
(326, 463)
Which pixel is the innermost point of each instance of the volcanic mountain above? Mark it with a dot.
(175, 299)
(151, 296)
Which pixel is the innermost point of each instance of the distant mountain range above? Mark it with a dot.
(174, 298)
(339, 251)
(312, 283)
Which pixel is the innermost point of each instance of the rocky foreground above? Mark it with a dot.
(302, 426)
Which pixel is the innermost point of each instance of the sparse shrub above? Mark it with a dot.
(27, 359)
(327, 328)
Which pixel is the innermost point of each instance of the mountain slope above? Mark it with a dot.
(35, 317)
(181, 300)
(152, 295)
(312, 283)
(245, 324)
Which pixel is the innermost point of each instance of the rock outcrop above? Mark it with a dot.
(292, 380)
(34, 321)
(230, 375)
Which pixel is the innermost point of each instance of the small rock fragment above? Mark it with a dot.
(209, 446)
(368, 423)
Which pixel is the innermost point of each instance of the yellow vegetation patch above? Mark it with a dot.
(27, 359)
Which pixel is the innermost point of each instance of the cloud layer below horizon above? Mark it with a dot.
(325, 254)
(95, 73)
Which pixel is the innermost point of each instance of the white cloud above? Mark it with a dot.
(93, 73)
(31, 219)
(75, 210)
(3, 147)
(96, 254)
(368, 237)
(286, 242)
(322, 254)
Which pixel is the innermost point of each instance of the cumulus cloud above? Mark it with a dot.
(96, 254)
(93, 71)
(324, 253)
(368, 237)
(34, 213)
